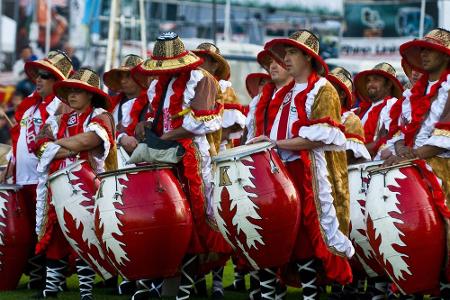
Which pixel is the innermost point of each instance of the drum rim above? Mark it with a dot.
(367, 165)
(61, 171)
(263, 146)
(14, 187)
(146, 167)
(405, 163)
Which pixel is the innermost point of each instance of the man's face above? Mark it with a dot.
(277, 72)
(378, 87)
(127, 85)
(296, 61)
(433, 60)
(44, 83)
(25, 54)
(261, 84)
(79, 99)
(415, 76)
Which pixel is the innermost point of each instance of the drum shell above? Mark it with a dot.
(257, 208)
(145, 231)
(363, 262)
(74, 205)
(16, 237)
(405, 229)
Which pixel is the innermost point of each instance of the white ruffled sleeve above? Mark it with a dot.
(359, 149)
(189, 92)
(440, 138)
(333, 137)
(102, 133)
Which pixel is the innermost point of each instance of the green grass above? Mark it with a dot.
(21, 293)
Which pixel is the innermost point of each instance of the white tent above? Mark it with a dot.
(8, 28)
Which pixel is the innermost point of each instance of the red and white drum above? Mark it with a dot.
(16, 236)
(143, 221)
(364, 260)
(256, 206)
(404, 227)
(73, 190)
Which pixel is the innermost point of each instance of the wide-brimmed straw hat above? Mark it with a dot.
(252, 82)
(113, 76)
(383, 69)
(169, 57)
(84, 79)
(265, 58)
(437, 39)
(304, 40)
(343, 79)
(211, 50)
(57, 63)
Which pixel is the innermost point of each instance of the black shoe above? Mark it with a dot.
(200, 289)
(141, 295)
(86, 298)
(107, 284)
(47, 295)
(127, 288)
(217, 295)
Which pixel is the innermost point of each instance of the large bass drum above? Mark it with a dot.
(143, 221)
(16, 236)
(364, 262)
(73, 189)
(405, 228)
(256, 206)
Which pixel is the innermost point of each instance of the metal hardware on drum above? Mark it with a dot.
(273, 168)
(69, 181)
(116, 194)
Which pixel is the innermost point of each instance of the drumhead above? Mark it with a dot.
(143, 167)
(62, 171)
(242, 151)
(10, 187)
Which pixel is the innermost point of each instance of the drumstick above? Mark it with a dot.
(400, 164)
(3, 113)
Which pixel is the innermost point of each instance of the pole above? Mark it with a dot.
(227, 25)
(1, 34)
(143, 29)
(16, 18)
(48, 26)
(422, 18)
(214, 22)
(111, 35)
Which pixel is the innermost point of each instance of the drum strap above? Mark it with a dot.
(159, 110)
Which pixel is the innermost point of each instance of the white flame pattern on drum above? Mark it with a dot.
(241, 177)
(81, 214)
(358, 188)
(383, 221)
(3, 201)
(108, 216)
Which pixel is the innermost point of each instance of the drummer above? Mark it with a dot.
(86, 132)
(128, 105)
(233, 119)
(425, 120)
(378, 90)
(30, 115)
(354, 132)
(272, 92)
(306, 123)
(184, 103)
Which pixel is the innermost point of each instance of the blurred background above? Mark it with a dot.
(97, 33)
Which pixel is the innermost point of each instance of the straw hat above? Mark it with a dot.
(252, 82)
(343, 79)
(304, 40)
(223, 72)
(437, 39)
(112, 77)
(169, 57)
(383, 69)
(264, 59)
(57, 63)
(87, 80)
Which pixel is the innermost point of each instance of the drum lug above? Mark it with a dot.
(74, 191)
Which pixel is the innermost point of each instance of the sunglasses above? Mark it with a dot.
(45, 75)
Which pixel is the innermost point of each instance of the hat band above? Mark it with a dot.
(170, 57)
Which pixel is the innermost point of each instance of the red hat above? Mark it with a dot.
(253, 81)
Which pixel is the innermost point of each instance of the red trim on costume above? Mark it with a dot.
(442, 125)
(420, 105)
(138, 105)
(235, 106)
(394, 127)
(215, 111)
(370, 127)
(273, 105)
(355, 136)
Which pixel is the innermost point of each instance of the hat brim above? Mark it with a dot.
(265, 58)
(100, 99)
(223, 72)
(277, 47)
(156, 66)
(348, 94)
(252, 82)
(32, 67)
(112, 78)
(410, 51)
(361, 80)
